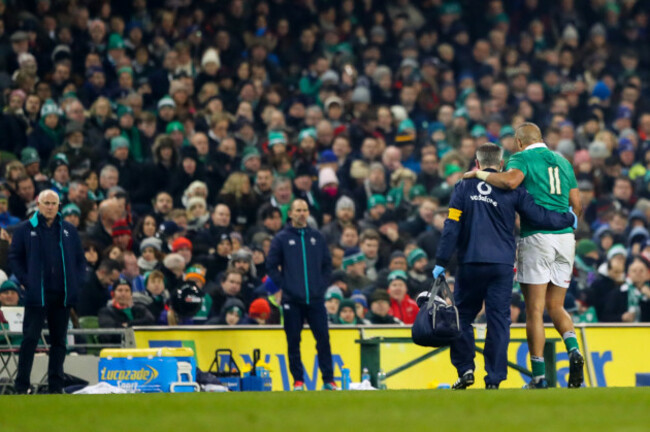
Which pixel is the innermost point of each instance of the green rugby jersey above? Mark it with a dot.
(548, 178)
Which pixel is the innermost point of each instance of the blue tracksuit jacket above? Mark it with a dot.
(481, 222)
(27, 263)
(306, 264)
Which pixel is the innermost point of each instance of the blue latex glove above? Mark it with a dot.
(575, 218)
(437, 271)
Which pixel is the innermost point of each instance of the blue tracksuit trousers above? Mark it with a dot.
(315, 314)
(476, 283)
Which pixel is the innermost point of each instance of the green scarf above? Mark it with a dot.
(55, 134)
(135, 147)
(206, 306)
(355, 322)
(63, 189)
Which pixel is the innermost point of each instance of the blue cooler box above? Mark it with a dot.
(256, 383)
(151, 370)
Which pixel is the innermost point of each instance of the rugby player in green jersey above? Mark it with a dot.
(545, 258)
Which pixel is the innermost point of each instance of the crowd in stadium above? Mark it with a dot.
(177, 133)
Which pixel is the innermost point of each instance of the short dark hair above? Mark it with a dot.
(625, 179)
(268, 210)
(109, 265)
(369, 234)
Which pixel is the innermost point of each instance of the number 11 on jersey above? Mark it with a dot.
(554, 180)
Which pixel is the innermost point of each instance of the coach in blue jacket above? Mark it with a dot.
(481, 225)
(47, 258)
(300, 264)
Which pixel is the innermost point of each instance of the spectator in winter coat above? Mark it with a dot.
(354, 264)
(402, 306)
(333, 298)
(95, 291)
(230, 287)
(259, 312)
(607, 285)
(121, 312)
(344, 215)
(347, 313)
(380, 308)
(419, 278)
(155, 296)
(48, 134)
(232, 313)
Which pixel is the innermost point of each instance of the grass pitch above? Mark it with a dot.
(622, 409)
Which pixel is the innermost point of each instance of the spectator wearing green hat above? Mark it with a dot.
(277, 143)
(453, 173)
(307, 148)
(402, 306)
(479, 133)
(71, 213)
(376, 209)
(419, 278)
(333, 298)
(354, 264)
(129, 130)
(124, 83)
(48, 133)
(251, 161)
(30, 160)
(347, 314)
(176, 131)
(417, 194)
(10, 294)
(10, 297)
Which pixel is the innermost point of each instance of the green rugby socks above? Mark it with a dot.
(538, 367)
(570, 341)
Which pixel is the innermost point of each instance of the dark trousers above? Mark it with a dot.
(491, 283)
(57, 319)
(295, 315)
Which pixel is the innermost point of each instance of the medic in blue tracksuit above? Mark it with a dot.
(481, 225)
(299, 263)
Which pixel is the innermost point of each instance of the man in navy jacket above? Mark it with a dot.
(481, 226)
(47, 258)
(300, 264)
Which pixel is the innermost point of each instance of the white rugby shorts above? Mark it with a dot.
(544, 258)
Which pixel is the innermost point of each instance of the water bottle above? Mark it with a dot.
(365, 375)
(381, 380)
(345, 379)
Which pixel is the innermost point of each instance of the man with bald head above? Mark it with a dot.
(545, 259)
(47, 259)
